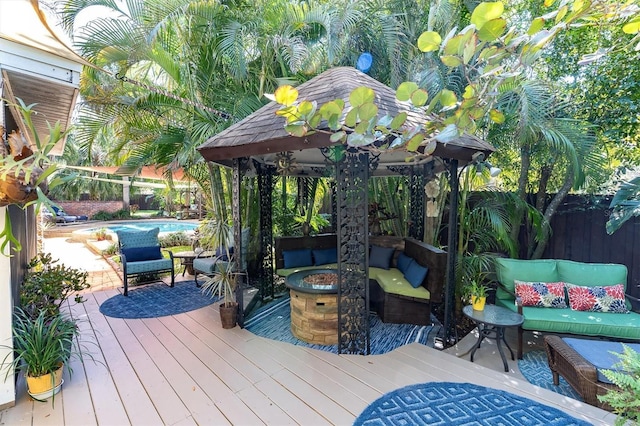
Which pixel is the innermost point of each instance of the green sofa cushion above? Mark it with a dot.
(391, 281)
(592, 274)
(615, 325)
(508, 270)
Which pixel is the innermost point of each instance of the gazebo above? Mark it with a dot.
(259, 142)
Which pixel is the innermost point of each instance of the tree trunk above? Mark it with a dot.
(525, 156)
(550, 212)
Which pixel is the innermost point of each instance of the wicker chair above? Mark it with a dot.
(140, 254)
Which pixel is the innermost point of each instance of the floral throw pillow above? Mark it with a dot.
(597, 298)
(542, 295)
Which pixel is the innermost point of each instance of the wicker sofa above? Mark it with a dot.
(391, 296)
(619, 326)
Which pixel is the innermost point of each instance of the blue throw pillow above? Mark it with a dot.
(403, 262)
(416, 274)
(295, 258)
(325, 256)
(139, 254)
(380, 257)
(221, 252)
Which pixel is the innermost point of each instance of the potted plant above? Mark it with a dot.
(477, 295)
(222, 283)
(42, 346)
(48, 284)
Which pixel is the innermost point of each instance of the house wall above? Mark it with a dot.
(7, 386)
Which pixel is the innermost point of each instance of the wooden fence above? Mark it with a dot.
(579, 234)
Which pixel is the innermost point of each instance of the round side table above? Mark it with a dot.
(492, 321)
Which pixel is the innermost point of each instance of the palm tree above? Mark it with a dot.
(554, 153)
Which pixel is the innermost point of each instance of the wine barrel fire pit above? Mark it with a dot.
(314, 305)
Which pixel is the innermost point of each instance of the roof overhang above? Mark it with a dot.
(37, 67)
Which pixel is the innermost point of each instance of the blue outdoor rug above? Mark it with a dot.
(443, 403)
(156, 300)
(273, 321)
(535, 368)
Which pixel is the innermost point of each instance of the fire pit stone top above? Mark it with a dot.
(313, 281)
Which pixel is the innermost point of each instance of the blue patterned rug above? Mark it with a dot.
(156, 300)
(273, 321)
(459, 404)
(535, 368)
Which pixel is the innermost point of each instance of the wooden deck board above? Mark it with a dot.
(165, 400)
(301, 413)
(136, 402)
(186, 370)
(110, 408)
(200, 405)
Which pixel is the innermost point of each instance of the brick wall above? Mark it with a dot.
(88, 207)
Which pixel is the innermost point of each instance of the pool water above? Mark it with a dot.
(144, 225)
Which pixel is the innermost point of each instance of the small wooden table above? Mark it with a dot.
(492, 321)
(186, 258)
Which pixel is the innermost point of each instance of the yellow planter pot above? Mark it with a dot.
(42, 387)
(478, 303)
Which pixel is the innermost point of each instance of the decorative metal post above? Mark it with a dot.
(334, 205)
(237, 232)
(416, 208)
(450, 284)
(352, 174)
(265, 272)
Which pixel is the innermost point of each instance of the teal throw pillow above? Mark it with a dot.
(140, 254)
(380, 257)
(325, 256)
(416, 274)
(296, 258)
(403, 262)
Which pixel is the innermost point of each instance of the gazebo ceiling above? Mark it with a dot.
(262, 136)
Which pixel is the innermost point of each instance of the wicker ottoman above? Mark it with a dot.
(578, 372)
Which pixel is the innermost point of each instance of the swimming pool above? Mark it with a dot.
(144, 225)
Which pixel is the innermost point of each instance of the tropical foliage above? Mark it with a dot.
(625, 401)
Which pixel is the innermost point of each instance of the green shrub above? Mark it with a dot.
(111, 250)
(175, 239)
(47, 285)
(120, 214)
(626, 400)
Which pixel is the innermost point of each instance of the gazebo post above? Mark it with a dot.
(237, 165)
(416, 209)
(450, 285)
(265, 187)
(352, 176)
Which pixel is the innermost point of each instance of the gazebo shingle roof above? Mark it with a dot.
(262, 133)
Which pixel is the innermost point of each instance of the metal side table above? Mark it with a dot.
(492, 322)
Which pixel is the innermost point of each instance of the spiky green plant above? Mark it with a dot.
(42, 344)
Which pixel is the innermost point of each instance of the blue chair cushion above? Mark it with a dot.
(295, 258)
(380, 257)
(403, 262)
(221, 253)
(599, 353)
(416, 274)
(325, 256)
(139, 254)
(129, 239)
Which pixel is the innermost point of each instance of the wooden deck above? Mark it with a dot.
(186, 369)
